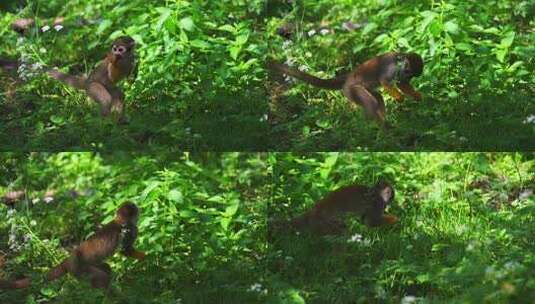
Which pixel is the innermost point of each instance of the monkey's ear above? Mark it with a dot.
(386, 192)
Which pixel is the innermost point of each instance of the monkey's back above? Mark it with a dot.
(353, 198)
(369, 72)
(102, 244)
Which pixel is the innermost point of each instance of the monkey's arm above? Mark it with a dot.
(375, 217)
(408, 90)
(59, 270)
(128, 244)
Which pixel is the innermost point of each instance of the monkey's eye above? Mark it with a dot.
(119, 49)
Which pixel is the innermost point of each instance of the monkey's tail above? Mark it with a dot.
(17, 284)
(332, 84)
(74, 81)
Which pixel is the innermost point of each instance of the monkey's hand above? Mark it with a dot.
(390, 219)
(392, 91)
(410, 91)
(138, 255)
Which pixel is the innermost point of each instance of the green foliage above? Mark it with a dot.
(465, 234)
(199, 82)
(477, 81)
(202, 224)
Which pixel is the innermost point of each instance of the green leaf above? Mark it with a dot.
(187, 24)
(104, 25)
(164, 15)
(451, 27)
(227, 28)
(175, 196)
(507, 41)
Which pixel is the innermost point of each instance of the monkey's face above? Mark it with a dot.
(123, 46)
(385, 193)
(128, 213)
(413, 66)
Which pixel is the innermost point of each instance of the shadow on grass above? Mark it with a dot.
(31, 122)
(490, 123)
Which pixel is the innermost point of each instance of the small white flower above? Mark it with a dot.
(33, 223)
(286, 44)
(356, 238)
(48, 199)
(303, 68)
(324, 32)
(264, 118)
(409, 299)
(311, 33)
(45, 28)
(42, 50)
(290, 62)
(58, 27)
(530, 119)
(256, 287)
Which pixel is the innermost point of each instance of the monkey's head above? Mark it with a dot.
(384, 193)
(127, 214)
(413, 67)
(123, 46)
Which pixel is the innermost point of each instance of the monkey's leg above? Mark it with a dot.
(373, 107)
(100, 275)
(59, 270)
(117, 104)
(392, 91)
(102, 96)
(408, 90)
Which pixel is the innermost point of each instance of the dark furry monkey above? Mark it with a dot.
(367, 202)
(100, 84)
(360, 85)
(88, 259)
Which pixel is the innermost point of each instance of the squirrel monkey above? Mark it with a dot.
(100, 84)
(88, 258)
(359, 86)
(367, 202)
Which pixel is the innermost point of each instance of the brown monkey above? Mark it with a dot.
(360, 85)
(88, 258)
(100, 84)
(368, 202)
